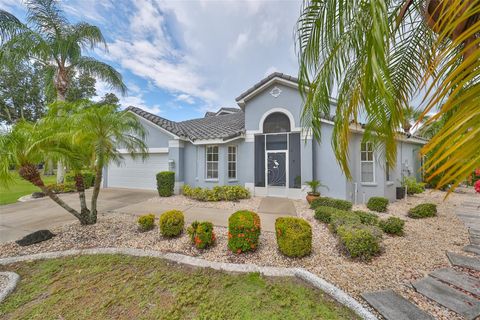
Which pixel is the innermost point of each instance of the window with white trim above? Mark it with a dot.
(367, 163)
(232, 162)
(211, 160)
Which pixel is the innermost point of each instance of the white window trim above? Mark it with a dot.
(236, 162)
(207, 162)
(373, 161)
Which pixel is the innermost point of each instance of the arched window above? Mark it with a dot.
(276, 122)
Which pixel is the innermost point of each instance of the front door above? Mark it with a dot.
(276, 175)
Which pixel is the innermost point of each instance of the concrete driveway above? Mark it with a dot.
(21, 218)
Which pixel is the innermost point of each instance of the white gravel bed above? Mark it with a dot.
(404, 259)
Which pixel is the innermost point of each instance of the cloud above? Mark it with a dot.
(239, 45)
(185, 98)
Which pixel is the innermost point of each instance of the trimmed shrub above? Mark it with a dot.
(61, 187)
(413, 187)
(201, 234)
(392, 225)
(378, 204)
(294, 236)
(171, 223)
(324, 213)
(340, 218)
(218, 193)
(165, 183)
(88, 178)
(146, 222)
(360, 241)
(331, 202)
(367, 218)
(423, 210)
(243, 231)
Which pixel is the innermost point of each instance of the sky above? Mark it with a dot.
(180, 58)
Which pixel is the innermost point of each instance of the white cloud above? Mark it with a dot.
(239, 45)
(185, 98)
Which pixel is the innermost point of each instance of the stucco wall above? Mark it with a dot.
(155, 137)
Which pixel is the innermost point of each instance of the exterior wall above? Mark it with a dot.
(155, 137)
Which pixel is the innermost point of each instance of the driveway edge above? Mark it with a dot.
(12, 281)
(335, 292)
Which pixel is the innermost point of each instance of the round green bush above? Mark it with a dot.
(218, 193)
(243, 231)
(378, 204)
(331, 202)
(324, 214)
(146, 222)
(423, 210)
(340, 218)
(294, 236)
(165, 183)
(201, 234)
(360, 241)
(367, 218)
(392, 225)
(171, 223)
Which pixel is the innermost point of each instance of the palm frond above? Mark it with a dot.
(102, 71)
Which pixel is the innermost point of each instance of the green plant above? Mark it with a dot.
(61, 187)
(201, 234)
(392, 225)
(294, 236)
(360, 241)
(171, 223)
(218, 193)
(378, 204)
(165, 183)
(423, 210)
(314, 185)
(324, 214)
(243, 231)
(367, 218)
(331, 202)
(146, 222)
(340, 218)
(88, 178)
(412, 186)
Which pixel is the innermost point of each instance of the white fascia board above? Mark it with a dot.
(215, 141)
(149, 150)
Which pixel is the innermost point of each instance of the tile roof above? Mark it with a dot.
(217, 127)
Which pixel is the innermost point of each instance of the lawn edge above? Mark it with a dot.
(336, 293)
(12, 281)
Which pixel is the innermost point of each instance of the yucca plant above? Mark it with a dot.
(380, 54)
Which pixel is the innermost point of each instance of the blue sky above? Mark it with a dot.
(179, 58)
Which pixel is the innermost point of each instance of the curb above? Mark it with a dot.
(12, 281)
(336, 293)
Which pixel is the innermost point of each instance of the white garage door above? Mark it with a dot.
(135, 173)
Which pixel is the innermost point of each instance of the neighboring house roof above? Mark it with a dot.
(218, 127)
(222, 111)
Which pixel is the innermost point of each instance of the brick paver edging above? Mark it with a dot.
(12, 280)
(303, 274)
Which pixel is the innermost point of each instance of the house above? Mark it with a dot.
(261, 145)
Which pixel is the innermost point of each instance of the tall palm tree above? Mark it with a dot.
(379, 55)
(49, 39)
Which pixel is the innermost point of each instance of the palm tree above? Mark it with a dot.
(379, 55)
(49, 39)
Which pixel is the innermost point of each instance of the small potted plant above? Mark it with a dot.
(314, 194)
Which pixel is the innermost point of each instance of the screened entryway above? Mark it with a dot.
(277, 156)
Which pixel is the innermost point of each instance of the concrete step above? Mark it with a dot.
(472, 248)
(458, 279)
(463, 261)
(448, 297)
(393, 306)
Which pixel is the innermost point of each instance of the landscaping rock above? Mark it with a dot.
(37, 195)
(35, 237)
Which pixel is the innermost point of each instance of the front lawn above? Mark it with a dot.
(124, 287)
(19, 188)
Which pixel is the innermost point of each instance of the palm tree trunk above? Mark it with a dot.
(80, 186)
(30, 173)
(48, 168)
(61, 93)
(96, 188)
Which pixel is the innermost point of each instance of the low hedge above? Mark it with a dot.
(165, 183)
(218, 193)
(294, 236)
(392, 225)
(324, 214)
(146, 222)
(243, 231)
(413, 187)
(201, 234)
(360, 241)
(424, 210)
(378, 204)
(331, 202)
(367, 218)
(62, 187)
(341, 218)
(172, 223)
(88, 178)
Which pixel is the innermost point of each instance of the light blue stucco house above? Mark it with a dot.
(261, 145)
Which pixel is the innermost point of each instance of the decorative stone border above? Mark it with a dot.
(300, 273)
(12, 280)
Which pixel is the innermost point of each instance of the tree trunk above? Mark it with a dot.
(48, 171)
(30, 173)
(80, 186)
(61, 86)
(96, 188)
(60, 172)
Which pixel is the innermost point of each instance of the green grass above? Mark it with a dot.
(124, 287)
(19, 188)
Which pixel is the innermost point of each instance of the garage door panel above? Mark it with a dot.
(136, 173)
